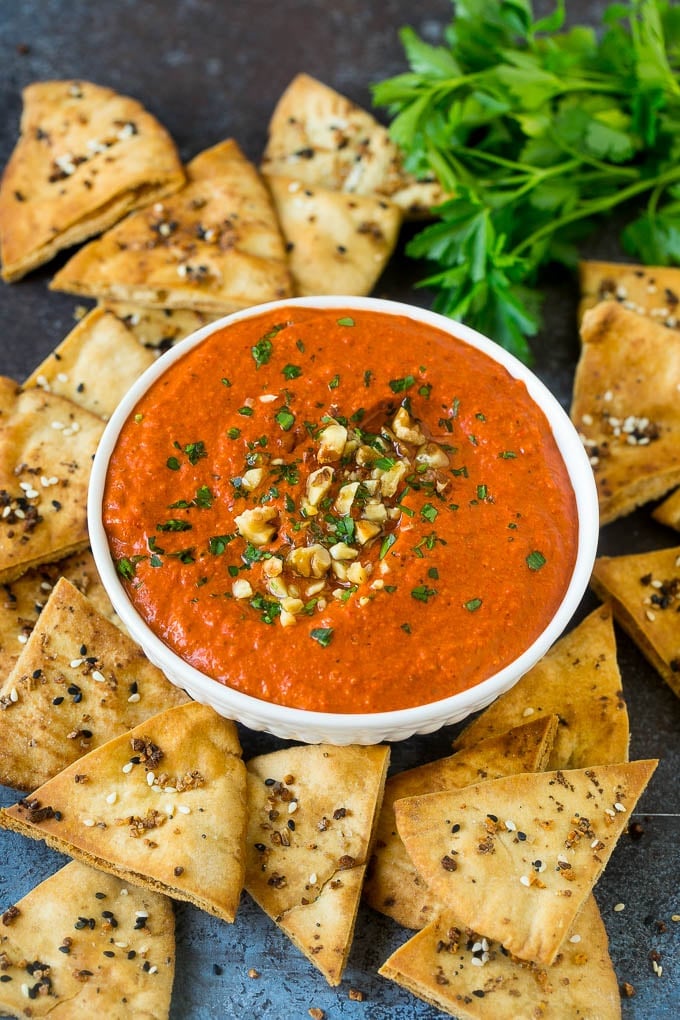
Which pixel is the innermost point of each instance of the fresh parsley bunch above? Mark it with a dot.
(536, 131)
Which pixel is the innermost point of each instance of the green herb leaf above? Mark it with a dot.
(174, 524)
(473, 605)
(218, 543)
(285, 418)
(347, 320)
(429, 513)
(173, 463)
(291, 371)
(535, 560)
(400, 385)
(323, 635)
(387, 543)
(422, 593)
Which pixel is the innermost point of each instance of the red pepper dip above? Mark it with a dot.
(341, 511)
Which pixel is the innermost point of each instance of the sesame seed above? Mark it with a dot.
(184, 809)
(619, 807)
(75, 663)
(575, 938)
(476, 962)
(312, 878)
(89, 822)
(14, 695)
(618, 907)
(98, 677)
(528, 711)
(134, 698)
(128, 767)
(524, 879)
(510, 826)
(150, 778)
(112, 797)
(292, 807)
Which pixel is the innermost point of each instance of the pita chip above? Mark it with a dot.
(647, 290)
(85, 157)
(311, 815)
(214, 247)
(668, 512)
(158, 329)
(163, 807)
(95, 365)
(318, 136)
(393, 886)
(515, 858)
(644, 590)
(337, 243)
(22, 601)
(78, 682)
(447, 965)
(83, 944)
(625, 406)
(46, 449)
(579, 681)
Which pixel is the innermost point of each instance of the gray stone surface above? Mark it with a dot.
(210, 70)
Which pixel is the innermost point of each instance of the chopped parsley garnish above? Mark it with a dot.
(422, 593)
(225, 381)
(472, 605)
(173, 463)
(368, 375)
(507, 455)
(406, 627)
(174, 524)
(323, 635)
(218, 543)
(429, 512)
(335, 382)
(400, 385)
(446, 423)
(153, 546)
(285, 418)
(246, 411)
(433, 573)
(268, 609)
(425, 390)
(251, 554)
(536, 560)
(387, 543)
(195, 451)
(184, 555)
(482, 492)
(203, 500)
(262, 351)
(233, 433)
(127, 567)
(291, 371)
(347, 320)
(385, 463)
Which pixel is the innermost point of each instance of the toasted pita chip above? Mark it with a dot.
(78, 682)
(322, 138)
(158, 329)
(393, 886)
(311, 815)
(337, 243)
(626, 407)
(163, 806)
(579, 681)
(448, 966)
(515, 858)
(86, 156)
(668, 512)
(95, 365)
(214, 247)
(83, 944)
(647, 290)
(22, 601)
(46, 449)
(644, 590)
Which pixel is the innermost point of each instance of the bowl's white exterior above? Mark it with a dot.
(321, 727)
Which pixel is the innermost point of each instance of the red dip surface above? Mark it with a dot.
(341, 511)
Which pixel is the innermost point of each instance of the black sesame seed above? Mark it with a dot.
(37, 673)
(77, 698)
(100, 895)
(478, 992)
(133, 687)
(455, 828)
(107, 913)
(291, 825)
(260, 847)
(131, 955)
(57, 816)
(80, 923)
(57, 701)
(5, 977)
(83, 649)
(73, 689)
(86, 733)
(109, 953)
(492, 817)
(65, 949)
(146, 965)
(521, 836)
(269, 782)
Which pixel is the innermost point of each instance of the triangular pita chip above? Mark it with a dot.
(647, 290)
(163, 806)
(579, 681)
(668, 512)
(515, 858)
(644, 590)
(84, 944)
(85, 157)
(158, 329)
(214, 247)
(626, 407)
(322, 138)
(46, 449)
(337, 243)
(311, 815)
(393, 886)
(22, 601)
(78, 682)
(95, 365)
(470, 977)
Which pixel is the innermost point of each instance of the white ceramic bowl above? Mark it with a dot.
(316, 727)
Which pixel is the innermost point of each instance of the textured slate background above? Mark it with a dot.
(210, 70)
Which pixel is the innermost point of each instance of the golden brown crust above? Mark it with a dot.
(86, 156)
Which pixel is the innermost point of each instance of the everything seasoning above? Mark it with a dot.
(370, 515)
